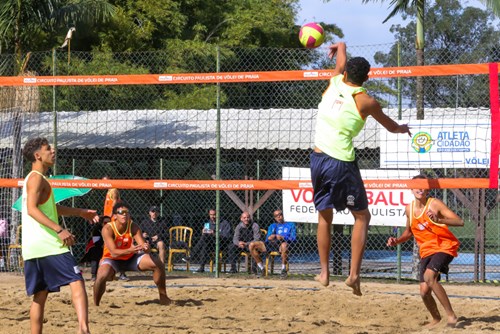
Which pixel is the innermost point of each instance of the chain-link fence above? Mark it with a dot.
(169, 131)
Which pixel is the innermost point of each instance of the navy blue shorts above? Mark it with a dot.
(437, 262)
(337, 184)
(50, 273)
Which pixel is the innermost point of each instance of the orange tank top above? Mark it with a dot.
(432, 237)
(122, 241)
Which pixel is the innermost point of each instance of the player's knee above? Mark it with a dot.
(424, 290)
(430, 277)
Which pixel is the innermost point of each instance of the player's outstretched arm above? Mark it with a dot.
(369, 106)
(339, 49)
(89, 215)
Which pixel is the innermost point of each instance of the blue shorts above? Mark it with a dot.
(50, 273)
(131, 264)
(337, 184)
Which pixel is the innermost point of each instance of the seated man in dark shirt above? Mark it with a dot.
(247, 238)
(206, 244)
(155, 232)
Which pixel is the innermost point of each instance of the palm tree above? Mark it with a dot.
(401, 7)
(22, 20)
(21, 24)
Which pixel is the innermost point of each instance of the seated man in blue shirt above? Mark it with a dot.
(279, 237)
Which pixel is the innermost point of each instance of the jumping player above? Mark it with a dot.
(336, 179)
(428, 220)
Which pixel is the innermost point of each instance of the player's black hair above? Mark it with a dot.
(357, 69)
(32, 146)
(420, 176)
(120, 204)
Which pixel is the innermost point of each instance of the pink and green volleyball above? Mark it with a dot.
(311, 35)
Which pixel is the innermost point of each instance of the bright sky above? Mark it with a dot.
(361, 23)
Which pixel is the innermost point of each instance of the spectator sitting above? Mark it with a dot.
(280, 236)
(206, 244)
(93, 250)
(247, 238)
(155, 231)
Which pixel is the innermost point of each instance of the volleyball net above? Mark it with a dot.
(162, 141)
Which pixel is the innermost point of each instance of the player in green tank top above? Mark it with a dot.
(54, 266)
(337, 182)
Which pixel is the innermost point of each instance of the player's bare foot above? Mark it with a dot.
(432, 323)
(322, 279)
(452, 321)
(164, 300)
(354, 285)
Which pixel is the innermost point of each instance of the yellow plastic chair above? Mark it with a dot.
(270, 259)
(221, 260)
(16, 247)
(179, 233)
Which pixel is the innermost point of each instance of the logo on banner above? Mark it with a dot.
(165, 78)
(422, 142)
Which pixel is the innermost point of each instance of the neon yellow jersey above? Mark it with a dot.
(37, 239)
(339, 120)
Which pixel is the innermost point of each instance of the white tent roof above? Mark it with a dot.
(248, 129)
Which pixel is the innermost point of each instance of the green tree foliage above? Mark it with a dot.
(188, 32)
(75, 98)
(30, 25)
(454, 35)
(168, 36)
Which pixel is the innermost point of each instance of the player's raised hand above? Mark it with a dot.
(332, 50)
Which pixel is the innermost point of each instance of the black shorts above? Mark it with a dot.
(337, 184)
(437, 262)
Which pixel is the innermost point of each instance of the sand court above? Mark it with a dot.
(203, 304)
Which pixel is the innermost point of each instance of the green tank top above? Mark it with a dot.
(37, 239)
(339, 120)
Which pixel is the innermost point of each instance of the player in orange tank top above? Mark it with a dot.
(427, 219)
(126, 250)
(122, 241)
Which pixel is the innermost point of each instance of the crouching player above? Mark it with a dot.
(428, 220)
(120, 254)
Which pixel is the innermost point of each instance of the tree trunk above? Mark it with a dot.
(420, 87)
(419, 46)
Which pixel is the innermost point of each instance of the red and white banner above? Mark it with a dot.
(386, 205)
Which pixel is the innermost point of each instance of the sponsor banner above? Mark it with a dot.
(228, 77)
(387, 206)
(456, 143)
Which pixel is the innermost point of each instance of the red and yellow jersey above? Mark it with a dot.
(432, 237)
(122, 241)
